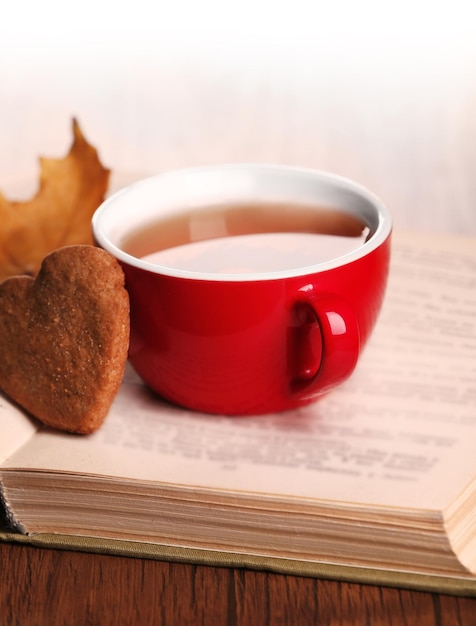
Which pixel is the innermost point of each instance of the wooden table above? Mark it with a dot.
(401, 121)
(48, 587)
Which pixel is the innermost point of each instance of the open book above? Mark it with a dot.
(375, 482)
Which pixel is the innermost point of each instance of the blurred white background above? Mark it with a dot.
(160, 84)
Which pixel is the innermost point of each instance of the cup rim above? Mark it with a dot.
(128, 193)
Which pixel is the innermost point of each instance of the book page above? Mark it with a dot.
(15, 428)
(401, 432)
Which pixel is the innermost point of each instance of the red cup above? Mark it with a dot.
(254, 342)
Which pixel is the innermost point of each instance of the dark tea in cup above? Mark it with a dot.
(247, 239)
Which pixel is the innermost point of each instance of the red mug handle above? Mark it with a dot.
(325, 346)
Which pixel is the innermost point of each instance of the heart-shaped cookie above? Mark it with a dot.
(64, 338)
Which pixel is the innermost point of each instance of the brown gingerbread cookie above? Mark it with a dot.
(64, 338)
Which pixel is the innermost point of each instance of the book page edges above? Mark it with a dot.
(460, 526)
(460, 586)
(7, 517)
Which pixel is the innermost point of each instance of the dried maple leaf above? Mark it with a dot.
(59, 214)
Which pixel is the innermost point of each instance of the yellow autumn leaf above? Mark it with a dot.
(59, 214)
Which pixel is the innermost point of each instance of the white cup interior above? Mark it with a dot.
(166, 195)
